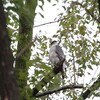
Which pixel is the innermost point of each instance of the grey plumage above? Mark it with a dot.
(57, 58)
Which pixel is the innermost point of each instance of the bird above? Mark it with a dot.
(57, 58)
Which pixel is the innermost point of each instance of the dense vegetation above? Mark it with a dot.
(20, 52)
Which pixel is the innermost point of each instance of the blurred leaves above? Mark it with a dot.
(76, 34)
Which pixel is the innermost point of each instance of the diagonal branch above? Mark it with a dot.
(47, 23)
(42, 83)
(25, 48)
(59, 89)
(94, 87)
(51, 22)
(92, 15)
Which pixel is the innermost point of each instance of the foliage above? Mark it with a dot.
(76, 34)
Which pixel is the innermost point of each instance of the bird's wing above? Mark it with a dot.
(60, 53)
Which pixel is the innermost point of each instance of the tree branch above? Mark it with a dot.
(47, 23)
(59, 89)
(50, 22)
(92, 15)
(94, 87)
(25, 48)
(42, 83)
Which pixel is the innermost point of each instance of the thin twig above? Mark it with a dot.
(59, 89)
(42, 24)
(51, 22)
(47, 23)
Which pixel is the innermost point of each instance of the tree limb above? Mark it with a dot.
(42, 83)
(50, 22)
(59, 89)
(94, 87)
(92, 15)
(47, 23)
(25, 49)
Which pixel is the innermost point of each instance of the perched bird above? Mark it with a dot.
(57, 58)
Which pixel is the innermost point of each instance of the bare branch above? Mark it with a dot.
(59, 89)
(92, 15)
(47, 23)
(41, 24)
(52, 22)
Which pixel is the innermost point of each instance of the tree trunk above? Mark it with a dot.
(8, 88)
(26, 22)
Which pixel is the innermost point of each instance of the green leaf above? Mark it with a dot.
(49, 0)
(79, 62)
(88, 17)
(41, 7)
(41, 15)
(37, 59)
(12, 8)
(84, 66)
(37, 72)
(54, 4)
(64, 7)
(82, 30)
(90, 67)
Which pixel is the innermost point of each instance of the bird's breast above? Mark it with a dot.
(53, 58)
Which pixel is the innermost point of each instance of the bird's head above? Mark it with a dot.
(53, 43)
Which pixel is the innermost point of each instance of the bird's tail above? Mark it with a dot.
(62, 73)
